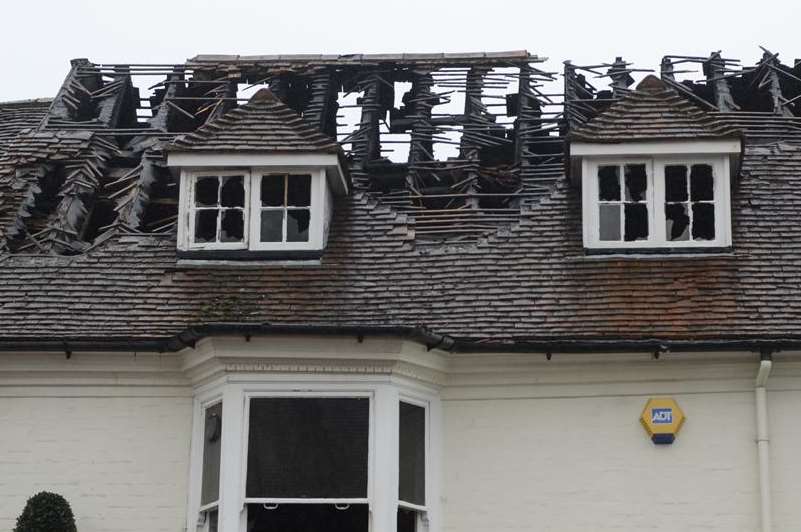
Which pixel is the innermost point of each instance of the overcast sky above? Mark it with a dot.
(39, 38)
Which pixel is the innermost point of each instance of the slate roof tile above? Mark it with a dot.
(652, 112)
(532, 283)
(264, 124)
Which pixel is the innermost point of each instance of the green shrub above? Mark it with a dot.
(46, 512)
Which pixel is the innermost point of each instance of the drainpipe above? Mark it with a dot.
(763, 440)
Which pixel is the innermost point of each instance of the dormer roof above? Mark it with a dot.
(652, 112)
(263, 125)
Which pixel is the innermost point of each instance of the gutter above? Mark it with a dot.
(763, 441)
(190, 336)
(420, 334)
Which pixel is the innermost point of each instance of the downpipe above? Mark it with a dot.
(763, 441)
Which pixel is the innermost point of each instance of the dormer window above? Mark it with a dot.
(655, 174)
(256, 183)
(656, 202)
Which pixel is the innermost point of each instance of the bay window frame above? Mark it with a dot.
(655, 200)
(422, 511)
(382, 497)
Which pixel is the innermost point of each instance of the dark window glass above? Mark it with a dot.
(609, 222)
(412, 455)
(297, 225)
(609, 183)
(308, 447)
(675, 183)
(272, 191)
(636, 222)
(703, 221)
(206, 226)
(308, 518)
(636, 182)
(272, 223)
(206, 189)
(212, 430)
(701, 183)
(407, 520)
(678, 221)
(232, 193)
(232, 226)
(213, 518)
(298, 191)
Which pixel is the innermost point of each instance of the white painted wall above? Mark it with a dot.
(559, 447)
(115, 444)
(528, 444)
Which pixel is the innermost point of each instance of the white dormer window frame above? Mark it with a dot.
(318, 206)
(657, 160)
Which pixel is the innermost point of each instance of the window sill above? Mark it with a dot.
(244, 255)
(658, 253)
(248, 259)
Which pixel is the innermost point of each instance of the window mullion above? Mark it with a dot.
(231, 464)
(384, 475)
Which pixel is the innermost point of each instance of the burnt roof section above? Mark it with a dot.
(482, 243)
(264, 124)
(653, 111)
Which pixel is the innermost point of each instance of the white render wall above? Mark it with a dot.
(558, 447)
(116, 447)
(527, 444)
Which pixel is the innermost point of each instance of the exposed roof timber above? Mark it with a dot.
(451, 59)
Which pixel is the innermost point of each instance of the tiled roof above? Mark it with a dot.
(264, 124)
(15, 116)
(531, 283)
(652, 112)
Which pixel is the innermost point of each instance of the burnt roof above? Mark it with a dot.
(264, 124)
(88, 244)
(653, 111)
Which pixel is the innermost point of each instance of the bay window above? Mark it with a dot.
(353, 460)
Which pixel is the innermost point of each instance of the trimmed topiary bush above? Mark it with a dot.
(46, 512)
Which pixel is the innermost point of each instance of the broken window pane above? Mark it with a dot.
(407, 520)
(206, 191)
(701, 183)
(232, 226)
(609, 183)
(610, 222)
(676, 183)
(272, 226)
(677, 221)
(297, 225)
(308, 518)
(298, 191)
(308, 447)
(703, 221)
(272, 190)
(212, 430)
(412, 455)
(636, 222)
(232, 193)
(206, 226)
(636, 182)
